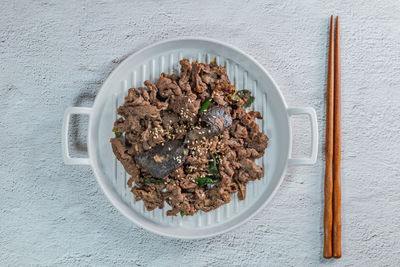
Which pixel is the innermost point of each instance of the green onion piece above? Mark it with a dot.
(152, 181)
(182, 213)
(213, 167)
(249, 102)
(202, 181)
(117, 134)
(205, 105)
(241, 93)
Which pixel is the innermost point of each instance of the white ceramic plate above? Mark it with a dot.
(148, 63)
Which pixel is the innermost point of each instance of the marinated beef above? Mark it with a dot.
(188, 141)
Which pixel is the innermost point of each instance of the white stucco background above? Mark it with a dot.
(56, 54)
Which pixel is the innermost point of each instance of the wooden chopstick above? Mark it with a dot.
(332, 188)
(328, 188)
(337, 194)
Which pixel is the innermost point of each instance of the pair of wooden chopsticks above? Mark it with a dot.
(332, 213)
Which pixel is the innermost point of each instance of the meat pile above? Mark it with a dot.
(188, 140)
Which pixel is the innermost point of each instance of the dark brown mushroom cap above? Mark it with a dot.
(217, 118)
(163, 159)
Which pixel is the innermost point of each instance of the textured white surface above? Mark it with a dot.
(55, 54)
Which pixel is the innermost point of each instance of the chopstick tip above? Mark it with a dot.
(337, 25)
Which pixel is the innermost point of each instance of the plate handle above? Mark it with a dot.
(64, 136)
(310, 112)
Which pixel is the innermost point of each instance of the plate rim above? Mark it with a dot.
(115, 198)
